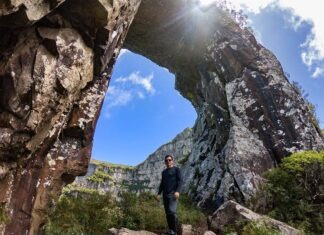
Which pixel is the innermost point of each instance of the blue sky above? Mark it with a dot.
(143, 111)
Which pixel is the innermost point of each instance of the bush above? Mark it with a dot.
(294, 192)
(142, 212)
(92, 213)
(188, 213)
(259, 228)
(89, 213)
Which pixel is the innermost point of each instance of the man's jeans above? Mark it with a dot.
(170, 207)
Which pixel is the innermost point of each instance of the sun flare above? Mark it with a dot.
(206, 2)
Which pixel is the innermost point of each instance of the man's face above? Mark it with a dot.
(168, 162)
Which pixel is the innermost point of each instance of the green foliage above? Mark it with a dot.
(188, 213)
(142, 212)
(294, 191)
(3, 215)
(111, 165)
(259, 228)
(184, 159)
(311, 107)
(82, 214)
(135, 186)
(93, 213)
(71, 188)
(99, 177)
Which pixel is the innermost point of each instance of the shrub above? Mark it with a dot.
(259, 228)
(142, 212)
(294, 191)
(89, 212)
(188, 213)
(99, 177)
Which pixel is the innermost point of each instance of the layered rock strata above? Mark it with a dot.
(55, 57)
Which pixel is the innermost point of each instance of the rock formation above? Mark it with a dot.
(56, 56)
(249, 115)
(230, 213)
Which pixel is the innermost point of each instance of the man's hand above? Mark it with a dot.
(157, 197)
(176, 195)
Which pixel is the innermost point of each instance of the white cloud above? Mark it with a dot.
(318, 72)
(301, 11)
(140, 95)
(125, 90)
(123, 52)
(118, 97)
(136, 79)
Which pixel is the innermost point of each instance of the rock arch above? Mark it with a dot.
(56, 57)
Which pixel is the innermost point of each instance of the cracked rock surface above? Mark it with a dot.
(56, 59)
(56, 56)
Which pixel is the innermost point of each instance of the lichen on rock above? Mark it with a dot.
(56, 56)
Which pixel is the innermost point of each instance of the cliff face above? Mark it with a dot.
(145, 177)
(56, 56)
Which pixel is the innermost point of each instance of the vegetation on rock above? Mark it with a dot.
(258, 227)
(294, 192)
(184, 159)
(101, 165)
(99, 176)
(3, 215)
(311, 107)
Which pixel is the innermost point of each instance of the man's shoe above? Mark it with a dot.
(171, 232)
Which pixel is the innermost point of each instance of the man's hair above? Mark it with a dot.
(166, 156)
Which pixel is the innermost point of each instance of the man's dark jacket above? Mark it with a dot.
(171, 181)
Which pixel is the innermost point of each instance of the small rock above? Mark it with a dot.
(186, 229)
(125, 231)
(209, 233)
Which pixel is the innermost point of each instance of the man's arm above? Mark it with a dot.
(179, 180)
(161, 185)
(179, 183)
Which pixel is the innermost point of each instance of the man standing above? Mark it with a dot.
(170, 186)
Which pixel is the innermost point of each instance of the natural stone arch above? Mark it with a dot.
(50, 98)
(249, 115)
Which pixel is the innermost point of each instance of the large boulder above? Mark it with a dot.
(235, 215)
